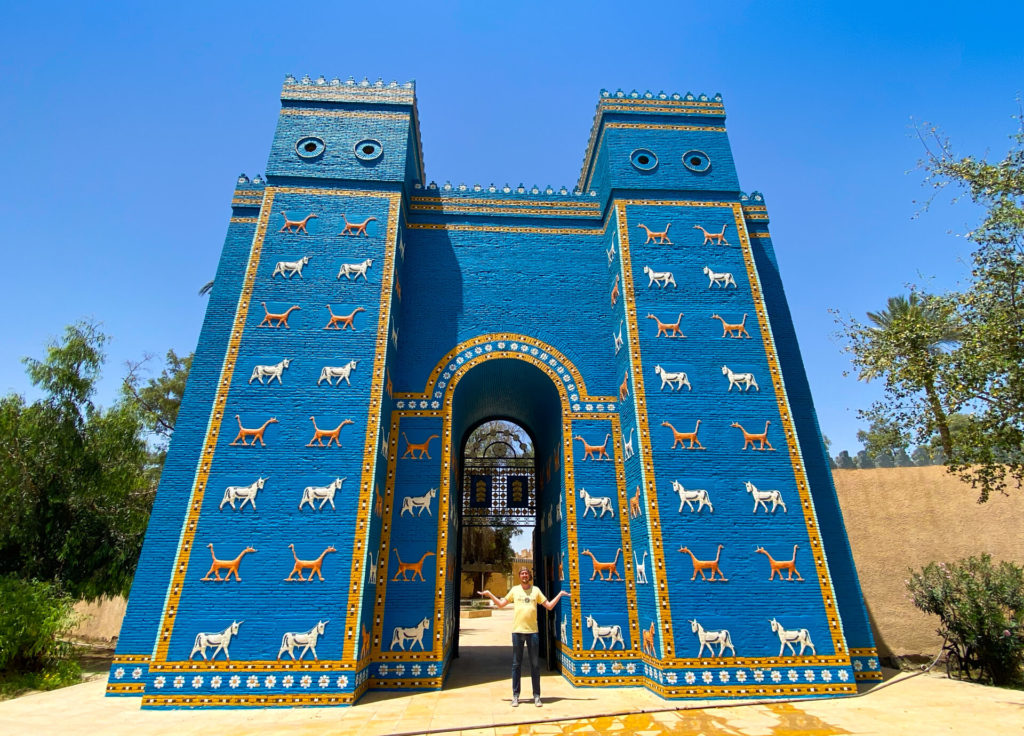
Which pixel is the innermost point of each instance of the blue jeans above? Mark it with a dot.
(532, 642)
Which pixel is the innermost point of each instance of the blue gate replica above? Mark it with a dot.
(304, 543)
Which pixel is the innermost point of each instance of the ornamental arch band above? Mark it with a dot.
(303, 544)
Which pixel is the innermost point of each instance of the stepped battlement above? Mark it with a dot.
(335, 90)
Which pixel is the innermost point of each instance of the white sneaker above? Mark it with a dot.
(536, 700)
(515, 702)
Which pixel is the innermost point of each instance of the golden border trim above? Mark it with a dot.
(245, 220)
(504, 228)
(785, 414)
(652, 519)
(357, 583)
(188, 530)
(317, 113)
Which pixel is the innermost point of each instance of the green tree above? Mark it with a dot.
(884, 459)
(961, 353)
(158, 400)
(74, 496)
(864, 461)
(903, 460)
(922, 456)
(844, 461)
(882, 437)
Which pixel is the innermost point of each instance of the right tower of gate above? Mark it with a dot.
(743, 575)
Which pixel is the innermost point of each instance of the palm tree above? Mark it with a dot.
(913, 332)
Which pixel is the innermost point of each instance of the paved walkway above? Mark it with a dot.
(477, 700)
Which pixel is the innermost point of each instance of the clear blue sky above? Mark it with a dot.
(124, 126)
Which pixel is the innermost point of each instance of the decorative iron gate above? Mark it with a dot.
(499, 492)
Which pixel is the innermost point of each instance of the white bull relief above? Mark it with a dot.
(218, 639)
(305, 639)
(412, 634)
(247, 494)
(338, 372)
(419, 503)
(323, 494)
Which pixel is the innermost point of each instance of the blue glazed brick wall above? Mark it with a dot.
(482, 303)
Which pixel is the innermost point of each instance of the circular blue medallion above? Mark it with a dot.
(696, 161)
(643, 159)
(369, 149)
(310, 146)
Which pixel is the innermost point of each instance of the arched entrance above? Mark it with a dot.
(508, 481)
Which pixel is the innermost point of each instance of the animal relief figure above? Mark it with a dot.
(679, 437)
(593, 503)
(707, 638)
(356, 228)
(601, 568)
(419, 503)
(615, 290)
(749, 439)
(665, 328)
(761, 498)
(740, 380)
(278, 319)
(635, 509)
(590, 450)
(618, 338)
(305, 639)
(339, 372)
(791, 637)
(364, 644)
(737, 330)
(323, 494)
(627, 445)
(675, 380)
(348, 270)
(648, 640)
(416, 568)
(251, 434)
(418, 450)
(342, 321)
(371, 570)
(640, 568)
(721, 279)
(312, 566)
(702, 566)
(231, 566)
(780, 566)
(600, 633)
(610, 253)
(332, 435)
(270, 372)
(624, 387)
(247, 494)
(413, 634)
(687, 497)
(661, 278)
(296, 226)
(718, 237)
(219, 640)
(287, 269)
(661, 237)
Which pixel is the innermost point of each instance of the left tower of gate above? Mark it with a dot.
(256, 581)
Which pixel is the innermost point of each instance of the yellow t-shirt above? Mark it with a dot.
(524, 603)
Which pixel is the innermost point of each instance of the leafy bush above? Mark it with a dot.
(980, 607)
(35, 619)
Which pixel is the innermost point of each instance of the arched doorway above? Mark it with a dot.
(507, 418)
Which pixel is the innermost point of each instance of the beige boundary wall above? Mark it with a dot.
(897, 518)
(901, 518)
